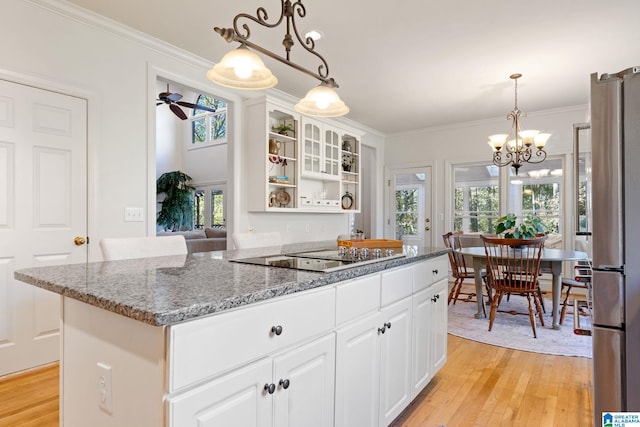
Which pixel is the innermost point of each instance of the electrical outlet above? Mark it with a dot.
(105, 389)
(133, 214)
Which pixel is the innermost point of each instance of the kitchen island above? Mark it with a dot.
(199, 340)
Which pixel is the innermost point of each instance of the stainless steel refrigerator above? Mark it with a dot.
(615, 138)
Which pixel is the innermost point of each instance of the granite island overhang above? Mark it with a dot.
(167, 290)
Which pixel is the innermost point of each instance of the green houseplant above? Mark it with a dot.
(529, 227)
(176, 211)
(284, 129)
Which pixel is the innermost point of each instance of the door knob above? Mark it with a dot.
(79, 240)
(427, 220)
(427, 228)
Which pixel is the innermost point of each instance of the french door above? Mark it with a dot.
(43, 208)
(409, 205)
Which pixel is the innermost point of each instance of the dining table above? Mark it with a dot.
(550, 260)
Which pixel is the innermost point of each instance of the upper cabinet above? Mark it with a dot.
(296, 163)
(320, 150)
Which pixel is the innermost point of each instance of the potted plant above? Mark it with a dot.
(176, 211)
(528, 228)
(348, 162)
(284, 129)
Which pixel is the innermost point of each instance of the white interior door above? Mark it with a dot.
(43, 207)
(409, 205)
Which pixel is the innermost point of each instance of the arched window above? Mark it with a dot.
(209, 128)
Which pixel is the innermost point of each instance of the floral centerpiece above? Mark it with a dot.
(528, 228)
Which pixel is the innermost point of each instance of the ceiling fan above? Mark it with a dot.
(173, 99)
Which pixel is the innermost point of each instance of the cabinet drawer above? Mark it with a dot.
(205, 347)
(429, 272)
(396, 284)
(357, 297)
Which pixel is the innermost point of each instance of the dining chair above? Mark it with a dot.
(256, 239)
(582, 281)
(142, 247)
(513, 266)
(460, 271)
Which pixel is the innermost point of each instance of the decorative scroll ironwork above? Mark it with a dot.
(288, 12)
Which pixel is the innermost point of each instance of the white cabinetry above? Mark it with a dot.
(429, 322)
(389, 353)
(350, 354)
(237, 398)
(291, 389)
(313, 168)
(358, 372)
(321, 145)
(212, 378)
(395, 360)
(271, 158)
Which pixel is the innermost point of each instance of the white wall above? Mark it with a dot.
(55, 45)
(467, 143)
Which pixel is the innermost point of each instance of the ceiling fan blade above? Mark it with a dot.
(159, 103)
(178, 111)
(196, 107)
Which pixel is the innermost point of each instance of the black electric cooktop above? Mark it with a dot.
(320, 261)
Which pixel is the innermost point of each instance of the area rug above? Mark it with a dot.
(514, 331)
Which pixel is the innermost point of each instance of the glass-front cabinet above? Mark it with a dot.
(295, 163)
(321, 150)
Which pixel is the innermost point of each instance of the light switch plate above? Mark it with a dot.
(133, 214)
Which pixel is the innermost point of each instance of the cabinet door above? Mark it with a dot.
(438, 326)
(304, 379)
(395, 360)
(421, 371)
(236, 399)
(332, 158)
(311, 149)
(358, 372)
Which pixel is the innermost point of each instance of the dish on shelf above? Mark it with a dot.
(283, 198)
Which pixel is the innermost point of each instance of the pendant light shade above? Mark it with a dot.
(242, 69)
(322, 101)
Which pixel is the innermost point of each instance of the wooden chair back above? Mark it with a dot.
(513, 265)
(457, 261)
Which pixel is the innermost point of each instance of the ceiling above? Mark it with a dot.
(412, 64)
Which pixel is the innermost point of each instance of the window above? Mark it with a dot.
(407, 212)
(209, 207)
(476, 198)
(535, 191)
(217, 207)
(209, 128)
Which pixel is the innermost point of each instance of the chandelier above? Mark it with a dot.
(243, 69)
(518, 143)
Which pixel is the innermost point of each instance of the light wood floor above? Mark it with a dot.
(30, 398)
(480, 385)
(483, 385)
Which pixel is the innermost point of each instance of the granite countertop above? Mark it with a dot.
(167, 290)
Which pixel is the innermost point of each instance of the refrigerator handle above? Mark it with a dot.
(577, 127)
(610, 268)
